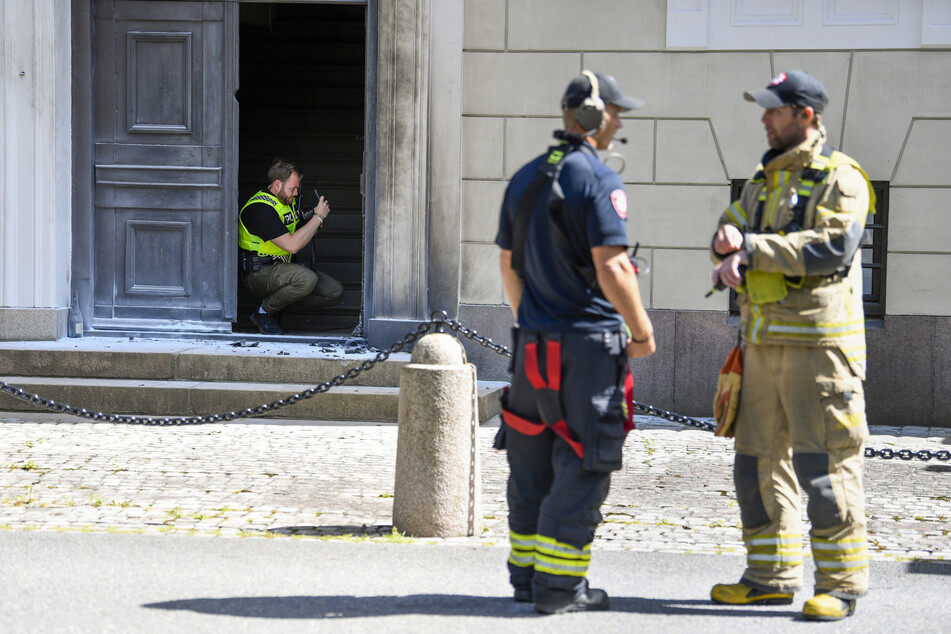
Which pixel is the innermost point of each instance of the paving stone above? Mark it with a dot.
(294, 478)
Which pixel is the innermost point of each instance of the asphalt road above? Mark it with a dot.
(75, 582)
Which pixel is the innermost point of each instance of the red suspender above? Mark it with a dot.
(628, 401)
(553, 367)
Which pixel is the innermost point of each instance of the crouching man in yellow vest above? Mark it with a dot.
(790, 246)
(269, 232)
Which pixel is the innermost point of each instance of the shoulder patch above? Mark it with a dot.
(619, 200)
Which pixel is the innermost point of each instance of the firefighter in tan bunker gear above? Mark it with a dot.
(790, 247)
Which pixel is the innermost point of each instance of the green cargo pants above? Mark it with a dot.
(281, 285)
(801, 423)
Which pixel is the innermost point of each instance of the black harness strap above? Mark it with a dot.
(809, 174)
(547, 175)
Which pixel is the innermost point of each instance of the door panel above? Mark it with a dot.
(163, 126)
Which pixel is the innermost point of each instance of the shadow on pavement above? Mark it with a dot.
(930, 567)
(340, 607)
(703, 607)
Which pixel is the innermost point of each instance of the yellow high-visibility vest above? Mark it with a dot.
(251, 242)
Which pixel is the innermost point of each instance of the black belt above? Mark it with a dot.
(252, 262)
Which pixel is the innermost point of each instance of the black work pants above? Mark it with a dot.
(554, 495)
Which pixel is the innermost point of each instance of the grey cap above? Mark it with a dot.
(609, 91)
(795, 87)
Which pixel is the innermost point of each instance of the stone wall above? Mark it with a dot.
(889, 109)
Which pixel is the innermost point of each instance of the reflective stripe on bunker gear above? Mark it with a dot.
(808, 330)
(250, 242)
(737, 214)
(844, 555)
(781, 550)
(523, 549)
(558, 558)
(757, 324)
(546, 395)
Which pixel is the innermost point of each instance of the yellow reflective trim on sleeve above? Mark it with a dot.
(737, 214)
(854, 353)
(824, 213)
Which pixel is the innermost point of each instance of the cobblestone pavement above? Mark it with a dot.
(288, 478)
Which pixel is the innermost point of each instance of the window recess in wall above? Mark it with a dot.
(806, 24)
(873, 252)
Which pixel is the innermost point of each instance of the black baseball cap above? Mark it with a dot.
(795, 87)
(609, 91)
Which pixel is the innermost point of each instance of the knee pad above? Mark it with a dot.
(746, 479)
(812, 471)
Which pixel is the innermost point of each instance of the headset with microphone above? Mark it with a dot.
(590, 112)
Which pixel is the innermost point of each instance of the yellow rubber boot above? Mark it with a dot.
(825, 607)
(742, 594)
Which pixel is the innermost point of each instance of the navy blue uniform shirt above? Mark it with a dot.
(554, 297)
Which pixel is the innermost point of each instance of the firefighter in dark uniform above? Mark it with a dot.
(270, 231)
(574, 293)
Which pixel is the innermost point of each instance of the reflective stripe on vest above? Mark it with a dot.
(250, 242)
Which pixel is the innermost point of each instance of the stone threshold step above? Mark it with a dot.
(196, 361)
(191, 398)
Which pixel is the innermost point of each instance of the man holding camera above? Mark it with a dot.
(270, 231)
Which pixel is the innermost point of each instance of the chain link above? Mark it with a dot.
(908, 454)
(439, 321)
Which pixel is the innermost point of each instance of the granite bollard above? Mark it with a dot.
(437, 490)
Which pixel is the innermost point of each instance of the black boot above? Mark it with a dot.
(587, 600)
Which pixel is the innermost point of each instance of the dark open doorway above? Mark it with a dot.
(302, 97)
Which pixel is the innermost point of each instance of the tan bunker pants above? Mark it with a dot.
(801, 423)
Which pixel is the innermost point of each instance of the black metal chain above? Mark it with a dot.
(438, 322)
(908, 454)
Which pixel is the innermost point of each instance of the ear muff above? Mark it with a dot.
(591, 111)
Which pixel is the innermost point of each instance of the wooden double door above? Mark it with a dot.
(158, 251)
